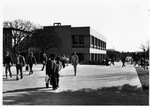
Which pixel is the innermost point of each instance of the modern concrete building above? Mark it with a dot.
(86, 42)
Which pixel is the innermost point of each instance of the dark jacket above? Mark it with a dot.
(31, 60)
(49, 67)
(44, 60)
(123, 59)
(7, 60)
(21, 60)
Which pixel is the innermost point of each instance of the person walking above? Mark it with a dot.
(123, 62)
(67, 60)
(142, 62)
(50, 65)
(63, 60)
(44, 61)
(74, 61)
(107, 61)
(131, 61)
(57, 69)
(136, 59)
(8, 63)
(136, 63)
(146, 63)
(31, 61)
(19, 64)
(112, 61)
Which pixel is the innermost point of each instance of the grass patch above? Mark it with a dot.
(144, 78)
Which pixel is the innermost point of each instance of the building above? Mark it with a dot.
(85, 41)
(7, 41)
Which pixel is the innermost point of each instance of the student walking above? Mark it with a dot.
(57, 69)
(8, 63)
(63, 60)
(107, 61)
(50, 65)
(67, 60)
(123, 62)
(74, 61)
(112, 61)
(142, 62)
(19, 64)
(31, 61)
(146, 63)
(136, 59)
(44, 61)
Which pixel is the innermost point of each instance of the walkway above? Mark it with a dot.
(93, 85)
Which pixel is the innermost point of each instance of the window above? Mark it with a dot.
(104, 46)
(100, 45)
(96, 43)
(75, 39)
(78, 41)
(81, 40)
(92, 42)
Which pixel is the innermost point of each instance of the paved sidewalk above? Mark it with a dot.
(93, 85)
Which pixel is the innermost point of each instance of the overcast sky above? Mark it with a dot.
(124, 23)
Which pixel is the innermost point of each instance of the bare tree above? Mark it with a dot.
(17, 31)
(145, 48)
(20, 29)
(21, 25)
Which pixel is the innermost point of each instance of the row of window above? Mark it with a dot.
(97, 43)
(97, 57)
(93, 57)
(7, 40)
(79, 42)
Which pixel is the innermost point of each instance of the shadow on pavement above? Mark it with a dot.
(117, 95)
(66, 75)
(12, 79)
(15, 75)
(4, 79)
(26, 89)
(60, 76)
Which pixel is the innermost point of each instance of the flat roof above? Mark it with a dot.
(91, 31)
(57, 26)
(97, 34)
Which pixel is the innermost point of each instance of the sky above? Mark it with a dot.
(124, 23)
